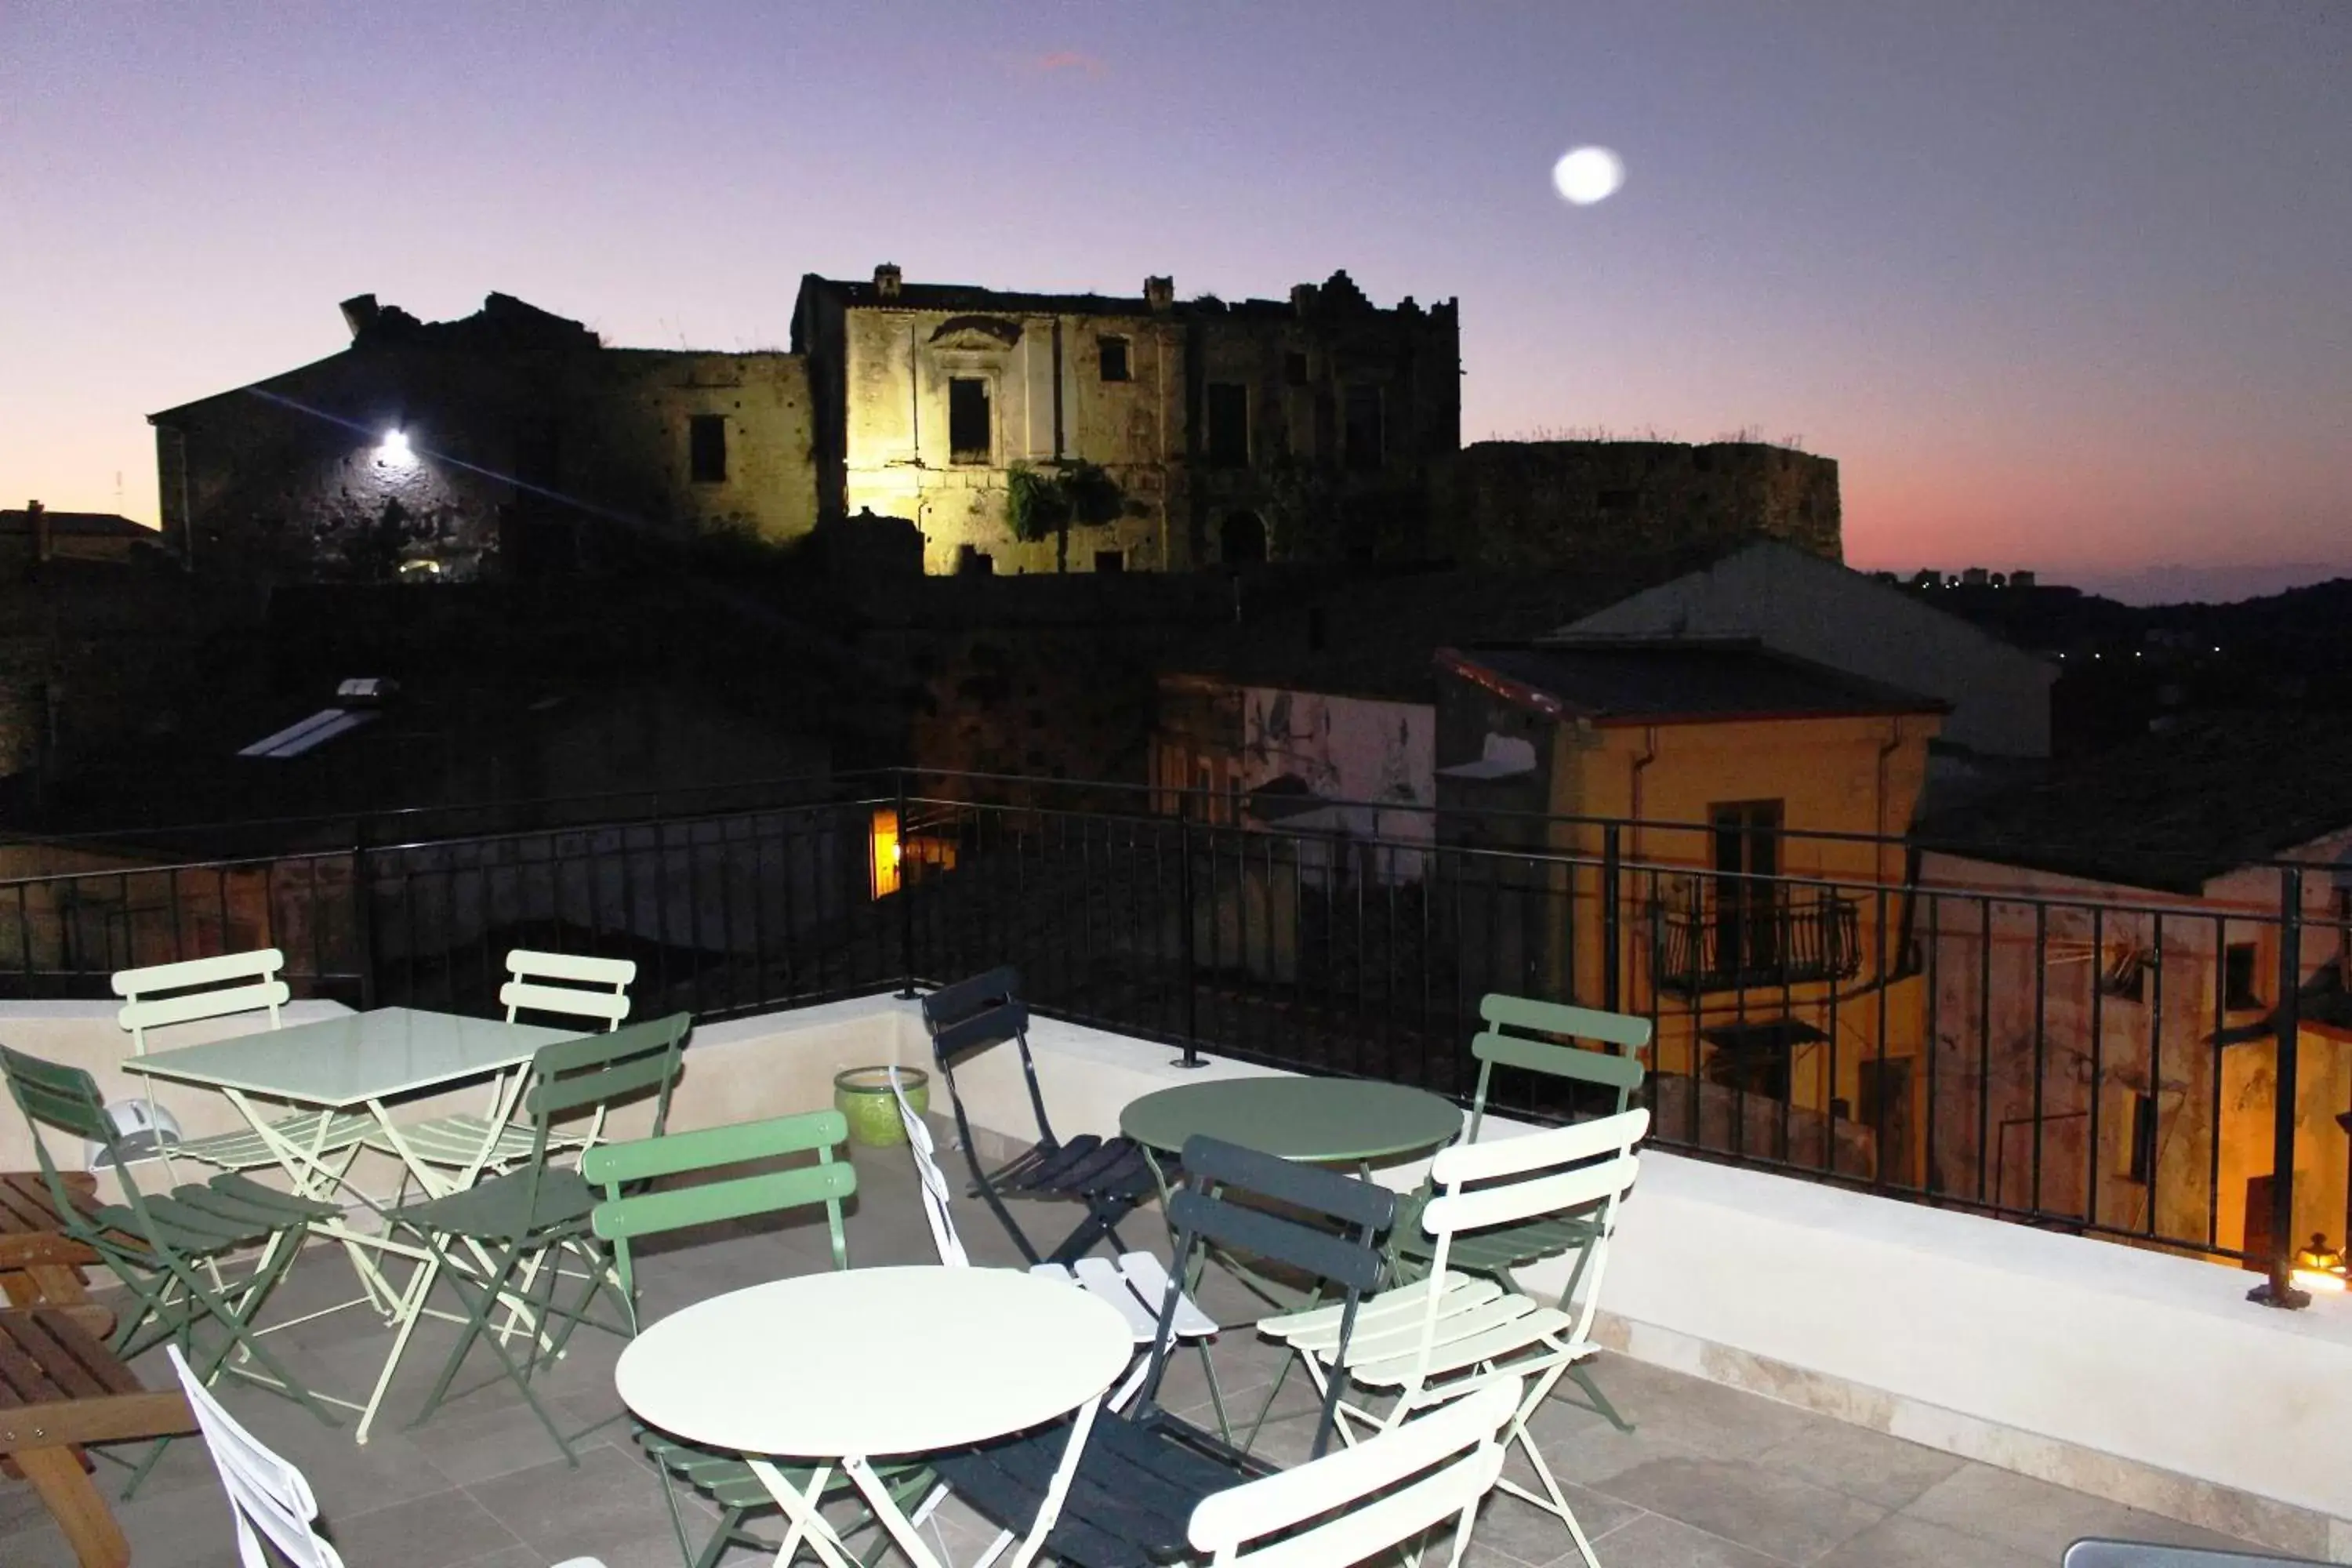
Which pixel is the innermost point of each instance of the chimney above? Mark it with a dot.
(1302, 297)
(1160, 293)
(360, 312)
(886, 279)
(37, 515)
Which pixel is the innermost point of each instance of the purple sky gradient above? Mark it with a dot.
(2063, 286)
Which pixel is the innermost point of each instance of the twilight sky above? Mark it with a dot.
(2060, 285)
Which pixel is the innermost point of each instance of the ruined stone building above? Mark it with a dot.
(434, 449)
(1017, 432)
(1306, 428)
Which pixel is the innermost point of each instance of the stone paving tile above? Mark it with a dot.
(1861, 1463)
(1902, 1542)
(1652, 1541)
(1780, 1515)
(2037, 1518)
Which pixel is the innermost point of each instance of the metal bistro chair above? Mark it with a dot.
(268, 1498)
(1109, 1175)
(725, 1478)
(1132, 1287)
(597, 990)
(166, 1250)
(510, 1223)
(1144, 1471)
(1449, 1334)
(1356, 1505)
(1496, 1252)
(165, 994)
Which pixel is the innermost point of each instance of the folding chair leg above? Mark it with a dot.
(1216, 1394)
(1582, 1376)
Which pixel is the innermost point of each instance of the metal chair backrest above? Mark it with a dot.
(1343, 1251)
(580, 998)
(2100, 1553)
(1609, 1069)
(593, 1073)
(65, 1100)
(1558, 1171)
(264, 1492)
(1437, 1465)
(933, 1181)
(972, 1015)
(622, 1220)
(166, 994)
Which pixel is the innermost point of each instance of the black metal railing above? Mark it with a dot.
(1915, 1026)
(1740, 935)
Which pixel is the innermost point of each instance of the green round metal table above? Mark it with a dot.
(1320, 1120)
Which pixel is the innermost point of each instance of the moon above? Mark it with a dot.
(1588, 174)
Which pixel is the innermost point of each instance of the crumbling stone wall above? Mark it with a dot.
(1547, 503)
(508, 420)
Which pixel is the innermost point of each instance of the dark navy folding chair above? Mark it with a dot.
(1109, 1175)
(1143, 1471)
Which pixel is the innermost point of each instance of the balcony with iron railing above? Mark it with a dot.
(1736, 935)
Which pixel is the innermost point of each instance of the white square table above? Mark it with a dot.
(362, 1061)
(846, 1367)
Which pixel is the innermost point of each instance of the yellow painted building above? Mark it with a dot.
(1725, 821)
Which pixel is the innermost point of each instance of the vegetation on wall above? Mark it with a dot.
(1043, 502)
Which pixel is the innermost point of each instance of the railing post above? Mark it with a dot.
(1612, 936)
(1191, 1057)
(2279, 1289)
(364, 914)
(906, 895)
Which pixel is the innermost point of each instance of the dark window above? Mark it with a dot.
(970, 431)
(2142, 1153)
(1618, 501)
(1228, 415)
(1242, 538)
(1366, 437)
(1114, 359)
(1746, 837)
(1111, 559)
(1293, 368)
(2238, 991)
(706, 447)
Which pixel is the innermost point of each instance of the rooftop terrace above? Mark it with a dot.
(1782, 1344)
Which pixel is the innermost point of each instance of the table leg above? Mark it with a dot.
(807, 1521)
(73, 1500)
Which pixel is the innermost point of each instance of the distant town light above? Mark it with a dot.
(1588, 174)
(395, 450)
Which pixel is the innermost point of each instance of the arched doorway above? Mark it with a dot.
(1242, 540)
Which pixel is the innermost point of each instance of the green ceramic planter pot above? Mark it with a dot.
(862, 1097)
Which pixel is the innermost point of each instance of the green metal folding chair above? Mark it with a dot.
(1496, 1252)
(166, 1250)
(493, 1241)
(724, 1477)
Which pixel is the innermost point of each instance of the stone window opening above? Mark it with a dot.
(2241, 986)
(1365, 436)
(2139, 1158)
(1111, 559)
(1228, 422)
(1293, 368)
(971, 423)
(706, 449)
(1114, 359)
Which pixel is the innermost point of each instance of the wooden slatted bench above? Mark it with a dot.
(60, 1386)
(39, 1265)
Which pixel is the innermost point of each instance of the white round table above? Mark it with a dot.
(870, 1362)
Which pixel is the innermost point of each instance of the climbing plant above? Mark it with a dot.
(1044, 503)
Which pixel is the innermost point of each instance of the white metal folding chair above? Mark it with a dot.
(1451, 1334)
(1358, 1503)
(267, 1496)
(162, 994)
(1134, 1286)
(596, 989)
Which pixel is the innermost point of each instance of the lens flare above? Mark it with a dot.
(1588, 174)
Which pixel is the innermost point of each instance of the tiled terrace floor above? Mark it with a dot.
(1711, 1477)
